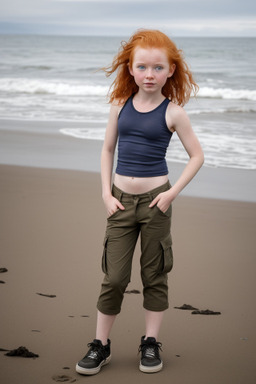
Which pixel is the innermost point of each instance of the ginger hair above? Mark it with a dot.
(177, 88)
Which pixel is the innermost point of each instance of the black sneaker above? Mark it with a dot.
(150, 359)
(97, 356)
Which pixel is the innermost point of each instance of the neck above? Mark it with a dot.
(145, 98)
(145, 104)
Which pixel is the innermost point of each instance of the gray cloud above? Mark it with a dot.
(183, 17)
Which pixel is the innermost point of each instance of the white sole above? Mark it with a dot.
(92, 371)
(155, 369)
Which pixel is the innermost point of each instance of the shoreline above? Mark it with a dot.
(20, 146)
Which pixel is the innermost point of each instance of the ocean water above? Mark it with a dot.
(46, 78)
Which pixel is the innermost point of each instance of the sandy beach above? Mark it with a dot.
(52, 228)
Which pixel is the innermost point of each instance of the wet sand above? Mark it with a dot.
(40, 144)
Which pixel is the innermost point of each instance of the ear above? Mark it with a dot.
(172, 70)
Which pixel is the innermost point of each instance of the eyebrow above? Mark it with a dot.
(142, 62)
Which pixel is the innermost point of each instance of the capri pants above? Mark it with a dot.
(122, 232)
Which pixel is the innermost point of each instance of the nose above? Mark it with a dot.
(149, 73)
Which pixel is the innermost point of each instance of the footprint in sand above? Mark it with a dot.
(63, 378)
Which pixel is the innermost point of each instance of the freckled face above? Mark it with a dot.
(151, 69)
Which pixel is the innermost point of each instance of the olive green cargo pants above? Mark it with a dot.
(122, 232)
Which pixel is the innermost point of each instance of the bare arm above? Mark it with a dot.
(179, 122)
(193, 148)
(107, 159)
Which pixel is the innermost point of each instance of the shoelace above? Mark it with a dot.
(150, 350)
(96, 352)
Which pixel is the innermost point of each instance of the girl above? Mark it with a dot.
(153, 82)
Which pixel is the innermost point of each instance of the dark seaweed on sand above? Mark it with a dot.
(45, 295)
(21, 352)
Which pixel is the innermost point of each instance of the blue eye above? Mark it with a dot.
(159, 68)
(142, 67)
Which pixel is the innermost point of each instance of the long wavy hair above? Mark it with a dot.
(177, 88)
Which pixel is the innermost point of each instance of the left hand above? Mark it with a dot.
(163, 201)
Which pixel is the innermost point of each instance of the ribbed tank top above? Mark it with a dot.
(143, 141)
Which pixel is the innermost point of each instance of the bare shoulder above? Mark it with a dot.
(116, 107)
(176, 117)
(113, 115)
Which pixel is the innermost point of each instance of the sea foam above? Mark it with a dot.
(227, 93)
(59, 88)
(72, 88)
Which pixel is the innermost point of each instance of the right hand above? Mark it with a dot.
(112, 205)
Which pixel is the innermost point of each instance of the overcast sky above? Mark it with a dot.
(122, 17)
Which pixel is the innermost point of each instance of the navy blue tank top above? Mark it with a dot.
(143, 141)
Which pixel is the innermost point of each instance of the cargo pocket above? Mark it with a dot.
(167, 255)
(104, 255)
